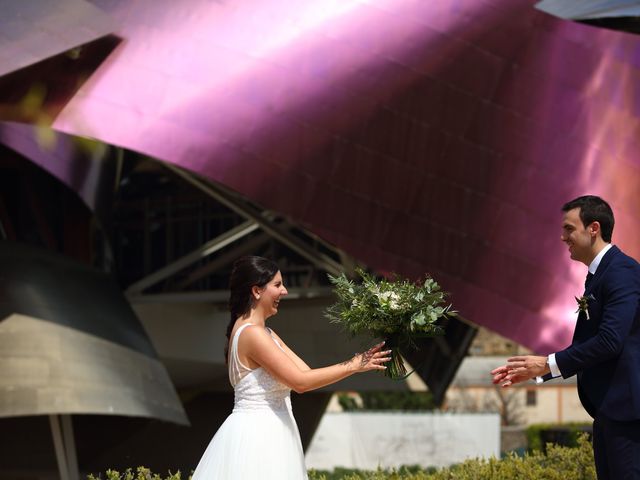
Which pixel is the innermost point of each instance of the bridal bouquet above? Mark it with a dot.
(398, 311)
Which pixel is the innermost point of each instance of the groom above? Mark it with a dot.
(605, 351)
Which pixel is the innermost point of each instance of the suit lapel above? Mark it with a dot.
(604, 264)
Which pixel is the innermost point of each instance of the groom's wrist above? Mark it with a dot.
(554, 370)
(547, 367)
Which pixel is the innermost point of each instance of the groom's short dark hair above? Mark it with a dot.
(593, 209)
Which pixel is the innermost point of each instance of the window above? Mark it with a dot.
(532, 398)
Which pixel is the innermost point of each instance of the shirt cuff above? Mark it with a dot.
(553, 366)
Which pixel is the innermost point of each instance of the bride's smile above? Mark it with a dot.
(269, 297)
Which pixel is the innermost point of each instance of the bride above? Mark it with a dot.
(260, 439)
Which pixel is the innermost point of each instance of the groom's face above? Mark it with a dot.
(576, 236)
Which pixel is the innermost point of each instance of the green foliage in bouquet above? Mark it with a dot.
(397, 310)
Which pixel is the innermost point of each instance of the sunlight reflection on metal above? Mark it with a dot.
(416, 136)
(590, 9)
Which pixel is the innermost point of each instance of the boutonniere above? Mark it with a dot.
(583, 303)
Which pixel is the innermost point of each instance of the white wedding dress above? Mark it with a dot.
(260, 439)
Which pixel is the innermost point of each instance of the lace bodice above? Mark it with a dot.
(255, 389)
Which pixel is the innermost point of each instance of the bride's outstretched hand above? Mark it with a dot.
(372, 359)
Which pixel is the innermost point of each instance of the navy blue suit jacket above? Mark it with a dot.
(605, 351)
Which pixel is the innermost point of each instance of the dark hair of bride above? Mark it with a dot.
(246, 273)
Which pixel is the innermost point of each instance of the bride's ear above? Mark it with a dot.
(255, 293)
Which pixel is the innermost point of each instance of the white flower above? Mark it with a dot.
(384, 296)
(390, 298)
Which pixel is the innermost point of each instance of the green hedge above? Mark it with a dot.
(379, 401)
(141, 473)
(565, 434)
(558, 463)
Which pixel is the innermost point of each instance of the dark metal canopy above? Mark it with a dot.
(38, 29)
(47, 51)
(621, 15)
(70, 343)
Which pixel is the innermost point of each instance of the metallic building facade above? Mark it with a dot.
(436, 137)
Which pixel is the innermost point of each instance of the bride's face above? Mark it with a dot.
(271, 294)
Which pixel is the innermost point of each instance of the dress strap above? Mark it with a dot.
(274, 338)
(236, 368)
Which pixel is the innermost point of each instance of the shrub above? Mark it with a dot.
(142, 473)
(558, 463)
(355, 474)
(379, 401)
(565, 434)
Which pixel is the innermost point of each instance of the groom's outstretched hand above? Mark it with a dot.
(519, 369)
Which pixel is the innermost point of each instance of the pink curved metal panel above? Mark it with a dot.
(417, 136)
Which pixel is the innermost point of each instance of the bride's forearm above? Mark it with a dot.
(301, 380)
(316, 378)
